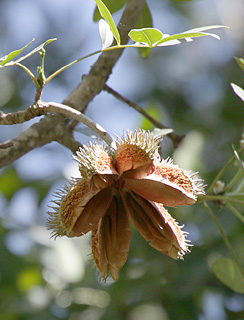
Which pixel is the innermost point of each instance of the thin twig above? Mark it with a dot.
(22, 116)
(175, 138)
(210, 212)
(77, 115)
(234, 180)
(235, 211)
(42, 108)
(222, 198)
(222, 171)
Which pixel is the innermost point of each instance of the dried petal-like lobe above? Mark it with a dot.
(111, 240)
(135, 150)
(79, 209)
(93, 211)
(158, 191)
(129, 156)
(168, 184)
(179, 237)
(156, 225)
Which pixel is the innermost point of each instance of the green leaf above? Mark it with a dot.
(144, 52)
(238, 91)
(107, 16)
(187, 36)
(41, 46)
(201, 29)
(13, 54)
(112, 6)
(193, 33)
(147, 36)
(154, 110)
(145, 21)
(10, 182)
(227, 271)
(240, 62)
(152, 37)
(8, 60)
(27, 278)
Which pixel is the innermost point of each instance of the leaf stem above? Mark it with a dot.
(235, 211)
(29, 73)
(235, 194)
(218, 197)
(70, 64)
(77, 115)
(210, 212)
(234, 180)
(90, 55)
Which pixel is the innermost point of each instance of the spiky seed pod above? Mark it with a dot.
(128, 180)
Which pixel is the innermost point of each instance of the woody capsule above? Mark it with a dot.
(127, 182)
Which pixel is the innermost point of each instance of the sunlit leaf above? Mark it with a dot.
(10, 182)
(202, 29)
(144, 52)
(152, 37)
(28, 278)
(147, 36)
(228, 272)
(238, 91)
(193, 33)
(240, 62)
(106, 34)
(107, 16)
(172, 42)
(154, 110)
(8, 60)
(36, 49)
(187, 36)
(112, 6)
(145, 21)
(9, 57)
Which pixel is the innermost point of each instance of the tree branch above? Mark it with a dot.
(54, 127)
(33, 138)
(42, 108)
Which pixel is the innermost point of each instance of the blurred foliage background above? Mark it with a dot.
(187, 87)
